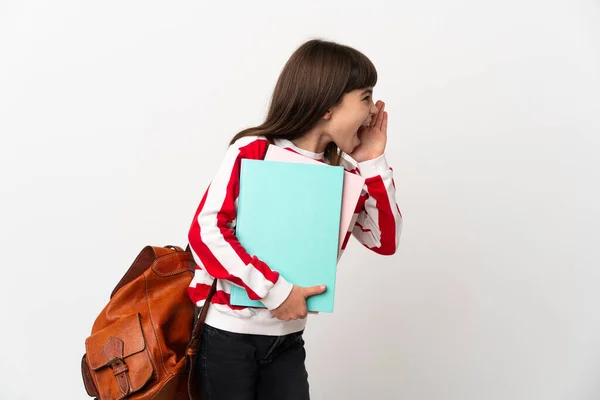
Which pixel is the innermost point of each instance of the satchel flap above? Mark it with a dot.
(118, 340)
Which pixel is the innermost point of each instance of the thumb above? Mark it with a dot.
(314, 290)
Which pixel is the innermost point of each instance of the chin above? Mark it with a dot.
(350, 146)
(348, 149)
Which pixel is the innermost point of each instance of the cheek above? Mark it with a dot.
(355, 120)
(362, 115)
(366, 114)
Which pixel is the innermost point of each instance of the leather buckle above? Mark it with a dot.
(119, 369)
(118, 365)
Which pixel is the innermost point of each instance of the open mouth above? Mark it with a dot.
(363, 125)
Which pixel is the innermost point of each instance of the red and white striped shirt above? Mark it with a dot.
(376, 224)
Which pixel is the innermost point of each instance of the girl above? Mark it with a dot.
(321, 108)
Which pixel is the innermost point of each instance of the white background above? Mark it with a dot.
(115, 115)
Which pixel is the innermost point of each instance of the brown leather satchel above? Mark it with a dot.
(144, 342)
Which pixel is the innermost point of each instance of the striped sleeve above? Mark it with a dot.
(379, 222)
(212, 233)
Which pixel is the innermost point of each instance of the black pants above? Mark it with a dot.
(234, 366)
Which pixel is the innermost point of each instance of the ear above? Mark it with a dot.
(327, 115)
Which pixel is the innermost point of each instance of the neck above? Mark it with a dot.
(312, 141)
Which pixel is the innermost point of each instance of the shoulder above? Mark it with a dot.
(253, 147)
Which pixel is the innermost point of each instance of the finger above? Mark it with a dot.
(378, 104)
(373, 122)
(373, 116)
(384, 123)
(379, 119)
(314, 290)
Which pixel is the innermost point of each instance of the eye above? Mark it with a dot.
(367, 98)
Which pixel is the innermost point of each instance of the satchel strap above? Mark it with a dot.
(192, 349)
(194, 344)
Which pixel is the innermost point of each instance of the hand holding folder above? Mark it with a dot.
(295, 305)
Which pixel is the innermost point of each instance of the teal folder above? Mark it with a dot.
(289, 216)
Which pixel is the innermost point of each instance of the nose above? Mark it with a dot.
(374, 109)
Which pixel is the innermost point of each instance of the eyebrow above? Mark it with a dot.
(370, 91)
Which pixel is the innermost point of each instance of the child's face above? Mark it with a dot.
(355, 109)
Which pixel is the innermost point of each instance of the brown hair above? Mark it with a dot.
(315, 78)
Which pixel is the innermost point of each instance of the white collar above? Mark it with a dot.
(288, 143)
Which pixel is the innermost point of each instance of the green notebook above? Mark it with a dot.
(289, 216)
